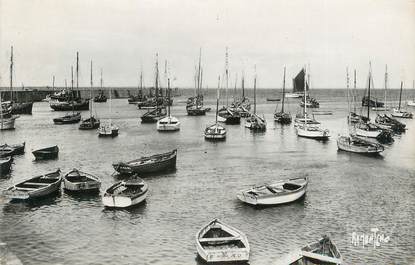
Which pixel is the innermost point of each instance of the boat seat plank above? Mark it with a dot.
(219, 239)
(36, 184)
(25, 189)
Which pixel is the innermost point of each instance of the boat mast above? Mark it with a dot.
(11, 75)
(90, 92)
(386, 84)
(226, 75)
(354, 91)
(305, 97)
(157, 79)
(199, 74)
(283, 92)
(347, 86)
(234, 89)
(72, 88)
(400, 96)
(53, 83)
(77, 72)
(368, 93)
(217, 101)
(168, 92)
(243, 85)
(101, 80)
(255, 92)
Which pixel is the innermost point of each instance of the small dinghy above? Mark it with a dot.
(36, 187)
(125, 193)
(79, 181)
(11, 150)
(148, 164)
(46, 153)
(68, 119)
(89, 124)
(283, 191)
(321, 252)
(5, 165)
(219, 242)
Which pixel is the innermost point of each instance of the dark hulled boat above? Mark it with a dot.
(229, 116)
(46, 153)
(371, 103)
(11, 150)
(281, 116)
(22, 108)
(100, 97)
(89, 124)
(148, 164)
(5, 165)
(68, 119)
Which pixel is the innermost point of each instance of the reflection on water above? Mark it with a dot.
(347, 193)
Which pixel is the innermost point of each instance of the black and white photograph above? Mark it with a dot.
(194, 132)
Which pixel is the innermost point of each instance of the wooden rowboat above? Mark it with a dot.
(148, 164)
(5, 165)
(79, 181)
(13, 149)
(125, 193)
(280, 192)
(219, 242)
(46, 153)
(40, 186)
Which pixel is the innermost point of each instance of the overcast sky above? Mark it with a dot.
(120, 36)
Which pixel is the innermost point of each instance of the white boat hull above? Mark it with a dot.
(308, 132)
(117, 201)
(81, 186)
(294, 95)
(168, 124)
(348, 147)
(365, 133)
(271, 200)
(411, 103)
(222, 256)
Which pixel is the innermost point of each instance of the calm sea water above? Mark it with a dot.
(347, 193)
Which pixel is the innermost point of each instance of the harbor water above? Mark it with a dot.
(347, 195)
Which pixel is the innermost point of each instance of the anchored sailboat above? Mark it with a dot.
(228, 114)
(397, 112)
(194, 105)
(152, 116)
(255, 122)
(216, 131)
(283, 117)
(310, 131)
(168, 123)
(109, 129)
(92, 122)
(69, 118)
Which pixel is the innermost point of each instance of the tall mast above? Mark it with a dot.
(72, 89)
(400, 96)
(77, 72)
(255, 92)
(226, 75)
(141, 80)
(90, 91)
(234, 89)
(11, 75)
(157, 79)
(199, 73)
(217, 101)
(283, 92)
(110, 92)
(347, 86)
(243, 85)
(370, 79)
(101, 79)
(53, 83)
(305, 96)
(386, 84)
(168, 92)
(354, 91)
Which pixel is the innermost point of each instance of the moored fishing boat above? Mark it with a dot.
(279, 192)
(219, 242)
(194, 104)
(281, 116)
(12, 149)
(39, 186)
(389, 123)
(100, 97)
(254, 122)
(168, 123)
(125, 194)
(108, 129)
(216, 131)
(148, 164)
(398, 112)
(229, 116)
(78, 181)
(92, 122)
(46, 153)
(68, 118)
(5, 165)
(355, 144)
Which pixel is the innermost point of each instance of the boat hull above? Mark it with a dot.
(344, 145)
(46, 154)
(22, 108)
(7, 123)
(122, 201)
(196, 111)
(159, 166)
(66, 106)
(5, 166)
